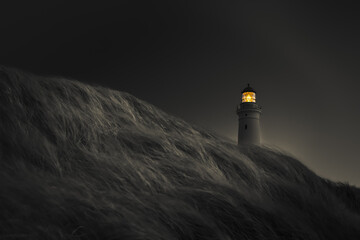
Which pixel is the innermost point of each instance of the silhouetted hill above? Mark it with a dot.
(83, 162)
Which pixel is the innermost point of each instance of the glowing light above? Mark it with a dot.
(248, 97)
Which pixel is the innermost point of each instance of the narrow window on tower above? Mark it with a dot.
(245, 126)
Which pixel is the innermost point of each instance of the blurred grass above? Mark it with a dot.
(85, 162)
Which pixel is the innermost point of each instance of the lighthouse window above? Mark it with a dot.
(248, 97)
(245, 126)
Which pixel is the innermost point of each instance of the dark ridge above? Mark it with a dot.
(85, 162)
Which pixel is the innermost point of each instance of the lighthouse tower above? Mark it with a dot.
(249, 118)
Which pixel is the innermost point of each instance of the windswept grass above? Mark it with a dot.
(83, 162)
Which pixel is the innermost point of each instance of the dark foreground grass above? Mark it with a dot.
(82, 162)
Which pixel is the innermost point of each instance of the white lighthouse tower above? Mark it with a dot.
(249, 118)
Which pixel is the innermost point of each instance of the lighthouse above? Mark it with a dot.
(249, 118)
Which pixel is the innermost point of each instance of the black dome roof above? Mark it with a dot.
(248, 89)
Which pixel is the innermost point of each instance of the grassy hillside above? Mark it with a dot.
(83, 162)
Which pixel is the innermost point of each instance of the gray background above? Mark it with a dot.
(192, 59)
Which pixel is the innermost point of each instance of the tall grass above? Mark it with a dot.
(84, 162)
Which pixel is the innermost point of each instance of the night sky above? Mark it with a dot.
(193, 58)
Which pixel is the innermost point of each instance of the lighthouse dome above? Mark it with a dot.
(248, 89)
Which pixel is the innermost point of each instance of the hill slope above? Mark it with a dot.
(82, 162)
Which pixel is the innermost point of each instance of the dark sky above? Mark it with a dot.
(192, 59)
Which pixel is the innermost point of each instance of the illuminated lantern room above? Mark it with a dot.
(248, 95)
